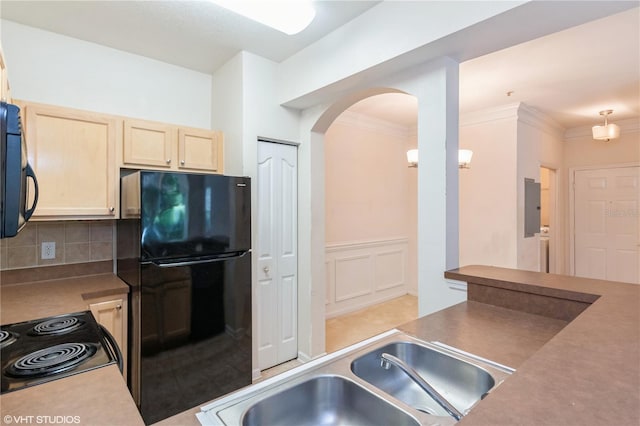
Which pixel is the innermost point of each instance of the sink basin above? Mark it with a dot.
(325, 400)
(351, 387)
(459, 382)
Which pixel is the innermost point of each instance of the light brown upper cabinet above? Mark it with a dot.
(5, 92)
(148, 144)
(73, 155)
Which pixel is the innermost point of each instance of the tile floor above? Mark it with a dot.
(353, 327)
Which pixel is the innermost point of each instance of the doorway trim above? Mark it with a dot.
(554, 222)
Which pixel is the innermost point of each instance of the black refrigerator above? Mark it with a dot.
(184, 248)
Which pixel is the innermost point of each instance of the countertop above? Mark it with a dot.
(38, 299)
(587, 374)
(96, 397)
(575, 371)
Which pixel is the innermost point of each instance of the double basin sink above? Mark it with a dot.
(393, 380)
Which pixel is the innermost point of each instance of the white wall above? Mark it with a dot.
(488, 190)
(366, 180)
(509, 144)
(539, 144)
(227, 112)
(54, 69)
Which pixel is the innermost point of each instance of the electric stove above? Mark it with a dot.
(38, 351)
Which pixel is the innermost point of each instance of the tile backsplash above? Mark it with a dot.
(75, 242)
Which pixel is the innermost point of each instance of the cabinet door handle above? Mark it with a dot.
(168, 160)
(182, 162)
(112, 209)
(118, 307)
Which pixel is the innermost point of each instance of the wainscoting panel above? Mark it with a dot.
(362, 274)
(390, 269)
(353, 277)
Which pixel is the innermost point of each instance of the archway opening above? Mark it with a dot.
(370, 218)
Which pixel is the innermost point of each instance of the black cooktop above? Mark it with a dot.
(45, 349)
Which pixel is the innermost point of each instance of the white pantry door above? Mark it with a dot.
(277, 253)
(607, 224)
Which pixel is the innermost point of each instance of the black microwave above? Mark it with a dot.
(16, 172)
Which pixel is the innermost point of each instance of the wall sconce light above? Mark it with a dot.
(464, 158)
(412, 157)
(608, 131)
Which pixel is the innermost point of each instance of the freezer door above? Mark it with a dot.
(193, 215)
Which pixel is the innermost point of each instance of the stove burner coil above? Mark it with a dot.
(52, 360)
(7, 338)
(58, 325)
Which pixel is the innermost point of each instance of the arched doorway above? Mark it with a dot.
(370, 219)
(435, 85)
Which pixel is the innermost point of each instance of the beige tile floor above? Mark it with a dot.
(356, 326)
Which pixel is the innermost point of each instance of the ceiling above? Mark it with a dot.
(569, 75)
(198, 35)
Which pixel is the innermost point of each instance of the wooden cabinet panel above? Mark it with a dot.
(148, 144)
(112, 314)
(152, 145)
(5, 92)
(73, 155)
(200, 150)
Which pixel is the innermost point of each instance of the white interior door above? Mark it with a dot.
(277, 253)
(607, 224)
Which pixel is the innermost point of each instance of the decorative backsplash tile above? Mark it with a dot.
(75, 242)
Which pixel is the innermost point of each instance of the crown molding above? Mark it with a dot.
(367, 122)
(630, 125)
(489, 115)
(540, 121)
(514, 111)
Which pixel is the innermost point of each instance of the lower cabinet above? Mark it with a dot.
(112, 314)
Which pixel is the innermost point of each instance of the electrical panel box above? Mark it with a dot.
(531, 207)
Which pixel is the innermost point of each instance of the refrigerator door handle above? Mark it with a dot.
(237, 255)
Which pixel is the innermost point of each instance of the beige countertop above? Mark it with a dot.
(96, 397)
(576, 364)
(587, 374)
(38, 299)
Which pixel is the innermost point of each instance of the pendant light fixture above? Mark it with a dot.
(608, 131)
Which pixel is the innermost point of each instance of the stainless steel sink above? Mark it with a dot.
(461, 383)
(352, 387)
(325, 400)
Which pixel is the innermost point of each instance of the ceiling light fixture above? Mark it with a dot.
(608, 131)
(287, 16)
(464, 158)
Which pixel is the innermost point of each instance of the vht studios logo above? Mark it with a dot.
(39, 420)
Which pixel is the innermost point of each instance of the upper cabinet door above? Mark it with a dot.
(200, 150)
(148, 144)
(5, 92)
(73, 155)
